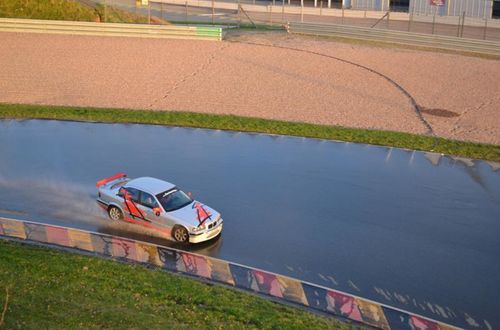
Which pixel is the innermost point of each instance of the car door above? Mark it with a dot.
(130, 202)
(147, 205)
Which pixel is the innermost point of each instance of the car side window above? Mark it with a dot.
(134, 194)
(148, 200)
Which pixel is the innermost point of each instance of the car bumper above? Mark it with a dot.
(206, 235)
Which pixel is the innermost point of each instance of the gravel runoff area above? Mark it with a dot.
(459, 96)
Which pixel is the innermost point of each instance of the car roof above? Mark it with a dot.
(150, 185)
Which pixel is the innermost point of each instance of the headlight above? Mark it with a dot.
(198, 229)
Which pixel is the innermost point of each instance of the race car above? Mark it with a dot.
(158, 205)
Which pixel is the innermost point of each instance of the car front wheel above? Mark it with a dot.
(115, 213)
(180, 234)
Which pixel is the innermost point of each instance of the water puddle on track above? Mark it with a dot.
(417, 231)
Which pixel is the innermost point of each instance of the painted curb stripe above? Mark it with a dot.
(80, 240)
(101, 244)
(196, 265)
(221, 271)
(268, 283)
(372, 314)
(36, 232)
(123, 248)
(147, 254)
(170, 260)
(244, 277)
(292, 290)
(13, 228)
(57, 235)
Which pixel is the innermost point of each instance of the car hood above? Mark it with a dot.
(192, 214)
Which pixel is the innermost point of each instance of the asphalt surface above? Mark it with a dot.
(412, 230)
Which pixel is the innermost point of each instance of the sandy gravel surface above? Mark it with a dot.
(234, 77)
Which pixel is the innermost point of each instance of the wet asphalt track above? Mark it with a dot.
(412, 230)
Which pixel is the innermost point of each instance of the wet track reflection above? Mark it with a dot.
(412, 230)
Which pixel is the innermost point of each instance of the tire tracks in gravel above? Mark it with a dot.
(456, 126)
(415, 106)
(193, 74)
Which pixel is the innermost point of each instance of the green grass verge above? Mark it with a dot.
(66, 10)
(245, 124)
(49, 289)
(117, 15)
(47, 9)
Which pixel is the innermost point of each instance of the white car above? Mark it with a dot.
(158, 205)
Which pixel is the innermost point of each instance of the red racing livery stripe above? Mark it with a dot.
(201, 213)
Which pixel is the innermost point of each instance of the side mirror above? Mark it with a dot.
(157, 211)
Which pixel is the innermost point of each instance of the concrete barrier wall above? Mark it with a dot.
(111, 29)
(285, 288)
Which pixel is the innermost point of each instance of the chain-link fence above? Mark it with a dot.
(460, 18)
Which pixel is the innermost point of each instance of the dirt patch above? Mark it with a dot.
(439, 112)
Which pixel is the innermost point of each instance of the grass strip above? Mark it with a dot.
(66, 10)
(257, 125)
(53, 289)
(47, 9)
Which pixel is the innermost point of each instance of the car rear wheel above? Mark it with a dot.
(115, 213)
(180, 234)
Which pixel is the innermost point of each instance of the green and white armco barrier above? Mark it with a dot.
(112, 29)
(399, 37)
(288, 289)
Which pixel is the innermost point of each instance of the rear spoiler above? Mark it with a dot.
(111, 178)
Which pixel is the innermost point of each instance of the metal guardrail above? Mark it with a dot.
(399, 37)
(112, 29)
(280, 287)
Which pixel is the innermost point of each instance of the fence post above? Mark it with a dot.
(271, 15)
(321, 8)
(329, 3)
(388, 18)
(105, 12)
(458, 26)
(149, 12)
(485, 28)
(239, 13)
(433, 22)
(342, 13)
(186, 12)
(463, 23)
(213, 11)
(410, 19)
(283, 12)
(301, 11)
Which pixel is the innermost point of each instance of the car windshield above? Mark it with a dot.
(173, 199)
